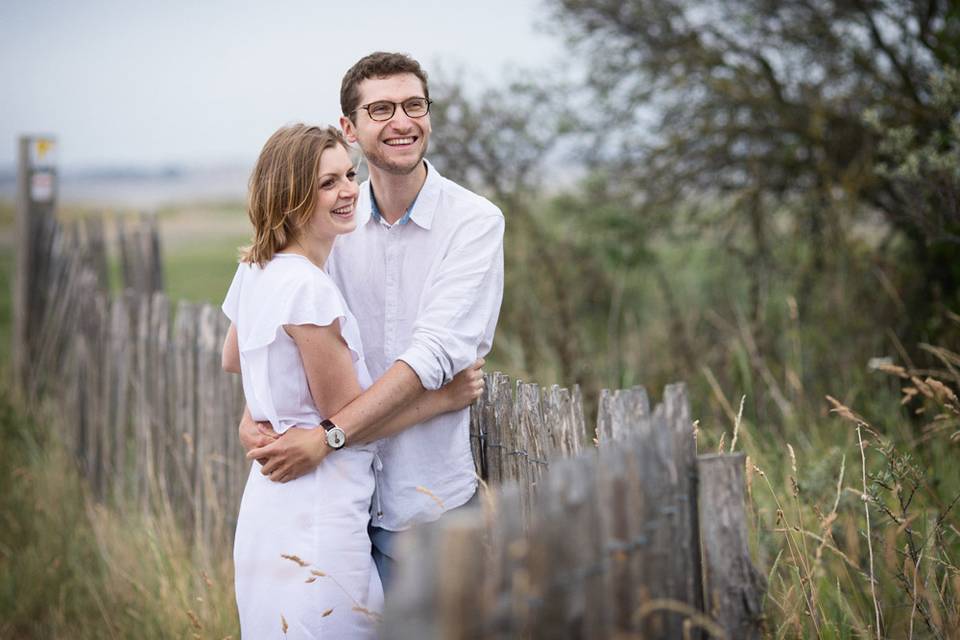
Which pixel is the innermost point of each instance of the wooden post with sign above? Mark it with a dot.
(36, 230)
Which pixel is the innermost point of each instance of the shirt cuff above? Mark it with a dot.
(425, 365)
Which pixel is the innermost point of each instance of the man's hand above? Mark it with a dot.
(293, 454)
(255, 434)
(465, 387)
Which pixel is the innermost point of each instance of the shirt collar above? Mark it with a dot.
(422, 208)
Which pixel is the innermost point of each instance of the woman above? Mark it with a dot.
(302, 554)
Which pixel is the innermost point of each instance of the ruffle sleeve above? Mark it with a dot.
(299, 297)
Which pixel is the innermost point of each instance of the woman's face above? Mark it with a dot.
(336, 195)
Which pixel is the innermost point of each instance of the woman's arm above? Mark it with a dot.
(333, 384)
(230, 358)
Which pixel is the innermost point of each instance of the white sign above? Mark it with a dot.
(41, 186)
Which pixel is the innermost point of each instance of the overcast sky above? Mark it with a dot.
(127, 82)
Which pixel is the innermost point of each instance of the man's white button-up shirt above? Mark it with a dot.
(427, 291)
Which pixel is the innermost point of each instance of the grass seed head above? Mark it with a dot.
(431, 494)
(194, 620)
(294, 558)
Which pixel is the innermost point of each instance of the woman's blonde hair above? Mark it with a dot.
(283, 187)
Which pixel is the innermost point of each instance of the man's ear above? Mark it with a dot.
(349, 131)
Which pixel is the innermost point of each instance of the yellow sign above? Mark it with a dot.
(43, 147)
(43, 152)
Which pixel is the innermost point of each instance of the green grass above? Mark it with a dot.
(201, 272)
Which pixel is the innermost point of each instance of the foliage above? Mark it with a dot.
(759, 105)
(553, 280)
(922, 166)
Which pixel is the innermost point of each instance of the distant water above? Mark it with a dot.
(144, 189)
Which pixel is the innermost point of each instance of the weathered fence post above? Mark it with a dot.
(182, 439)
(676, 407)
(733, 589)
(140, 258)
(36, 199)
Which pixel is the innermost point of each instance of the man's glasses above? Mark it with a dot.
(384, 109)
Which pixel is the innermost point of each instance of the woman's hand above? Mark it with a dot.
(295, 453)
(465, 387)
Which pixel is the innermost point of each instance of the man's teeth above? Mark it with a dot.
(399, 141)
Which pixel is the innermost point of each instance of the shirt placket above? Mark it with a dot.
(392, 290)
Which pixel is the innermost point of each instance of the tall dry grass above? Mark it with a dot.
(854, 506)
(70, 568)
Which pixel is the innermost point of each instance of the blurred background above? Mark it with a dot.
(759, 198)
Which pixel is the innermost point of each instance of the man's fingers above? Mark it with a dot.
(263, 451)
(264, 429)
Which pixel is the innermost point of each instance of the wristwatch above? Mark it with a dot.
(336, 438)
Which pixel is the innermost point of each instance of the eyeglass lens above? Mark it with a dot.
(384, 109)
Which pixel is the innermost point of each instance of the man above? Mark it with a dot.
(423, 274)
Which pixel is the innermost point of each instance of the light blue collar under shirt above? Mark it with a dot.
(375, 208)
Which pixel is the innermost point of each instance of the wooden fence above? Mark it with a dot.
(581, 541)
(134, 382)
(600, 543)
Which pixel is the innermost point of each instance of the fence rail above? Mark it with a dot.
(581, 541)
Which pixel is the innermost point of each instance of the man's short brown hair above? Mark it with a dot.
(376, 65)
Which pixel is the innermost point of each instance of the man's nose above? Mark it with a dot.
(400, 121)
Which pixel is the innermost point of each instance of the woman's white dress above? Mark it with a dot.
(303, 566)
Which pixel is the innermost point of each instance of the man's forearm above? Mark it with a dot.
(366, 418)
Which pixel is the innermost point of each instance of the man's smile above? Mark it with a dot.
(400, 142)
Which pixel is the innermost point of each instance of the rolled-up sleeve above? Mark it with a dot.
(460, 303)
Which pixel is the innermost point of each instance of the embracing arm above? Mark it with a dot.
(252, 434)
(333, 384)
(377, 414)
(230, 358)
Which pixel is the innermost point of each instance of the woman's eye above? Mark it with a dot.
(351, 175)
(326, 184)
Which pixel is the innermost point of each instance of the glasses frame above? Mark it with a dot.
(367, 106)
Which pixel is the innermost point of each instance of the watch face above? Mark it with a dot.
(336, 437)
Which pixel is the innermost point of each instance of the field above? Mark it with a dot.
(852, 500)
